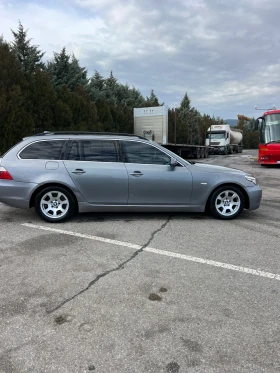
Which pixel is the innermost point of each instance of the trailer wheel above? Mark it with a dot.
(198, 153)
(206, 153)
(202, 153)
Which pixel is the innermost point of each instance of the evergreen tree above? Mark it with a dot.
(111, 82)
(77, 74)
(172, 125)
(84, 112)
(152, 100)
(186, 132)
(15, 105)
(65, 69)
(63, 110)
(110, 88)
(29, 56)
(105, 119)
(135, 99)
(43, 98)
(96, 87)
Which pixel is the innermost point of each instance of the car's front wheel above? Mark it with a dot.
(227, 202)
(54, 204)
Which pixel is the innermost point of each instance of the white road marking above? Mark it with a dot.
(251, 271)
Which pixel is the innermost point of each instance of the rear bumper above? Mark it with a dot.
(255, 196)
(16, 194)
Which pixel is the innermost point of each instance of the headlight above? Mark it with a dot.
(251, 178)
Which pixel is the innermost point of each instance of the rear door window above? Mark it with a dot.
(93, 151)
(74, 151)
(99, 151)
(43, 150)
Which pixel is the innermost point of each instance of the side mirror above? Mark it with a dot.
(256, 126)
(173, 162)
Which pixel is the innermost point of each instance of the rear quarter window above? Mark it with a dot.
(43, 150)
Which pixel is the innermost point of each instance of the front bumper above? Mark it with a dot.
(255, 196)
(217, 150)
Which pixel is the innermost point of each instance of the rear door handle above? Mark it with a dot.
(136, 173)
(78, 171)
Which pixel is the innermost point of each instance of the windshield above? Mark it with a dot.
(215, 136)
(270, 129)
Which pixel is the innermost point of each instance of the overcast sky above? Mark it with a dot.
(224, 53)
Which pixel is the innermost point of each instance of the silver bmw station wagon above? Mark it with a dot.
(62, 173)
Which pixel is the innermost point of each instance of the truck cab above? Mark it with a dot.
(218, 137)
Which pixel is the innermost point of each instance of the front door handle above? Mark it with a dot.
(78, 171)
(136, 173)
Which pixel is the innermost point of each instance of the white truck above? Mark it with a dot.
(224, 140)
(152, 123)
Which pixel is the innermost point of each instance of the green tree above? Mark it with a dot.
(96, 87)
(65, 69)
(105, 119)
(29, 56)
(205, 123)
(152, 100)
(43, 98)
(84, 112)
(77, 75)
(110, 88)
(63, 110)
(172, 125)
(15, 105)
(188, 131)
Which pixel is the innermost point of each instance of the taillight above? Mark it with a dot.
(4, 174)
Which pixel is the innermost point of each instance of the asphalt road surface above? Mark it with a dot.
(125, 293)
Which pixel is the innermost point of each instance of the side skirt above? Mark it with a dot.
(86, 207)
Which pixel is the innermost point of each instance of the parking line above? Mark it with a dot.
(170, 254)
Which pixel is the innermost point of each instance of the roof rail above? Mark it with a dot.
(49, 133)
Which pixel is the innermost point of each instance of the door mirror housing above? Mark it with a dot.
(173, 162)
(257, 123)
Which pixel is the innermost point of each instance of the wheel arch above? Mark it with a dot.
(245, 194)
(41, 187)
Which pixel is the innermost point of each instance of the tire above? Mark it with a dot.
(198, 153)
(206, 153)
(226, 151)
(202, 153)
(227, 202)
(55, 204)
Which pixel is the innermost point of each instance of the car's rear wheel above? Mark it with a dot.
(54, 204)
(227, 202)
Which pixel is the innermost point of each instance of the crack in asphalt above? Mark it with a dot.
(106, 273)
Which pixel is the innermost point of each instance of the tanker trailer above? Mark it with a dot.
(236, 137)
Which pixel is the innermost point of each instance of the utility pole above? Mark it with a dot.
(175, 128)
